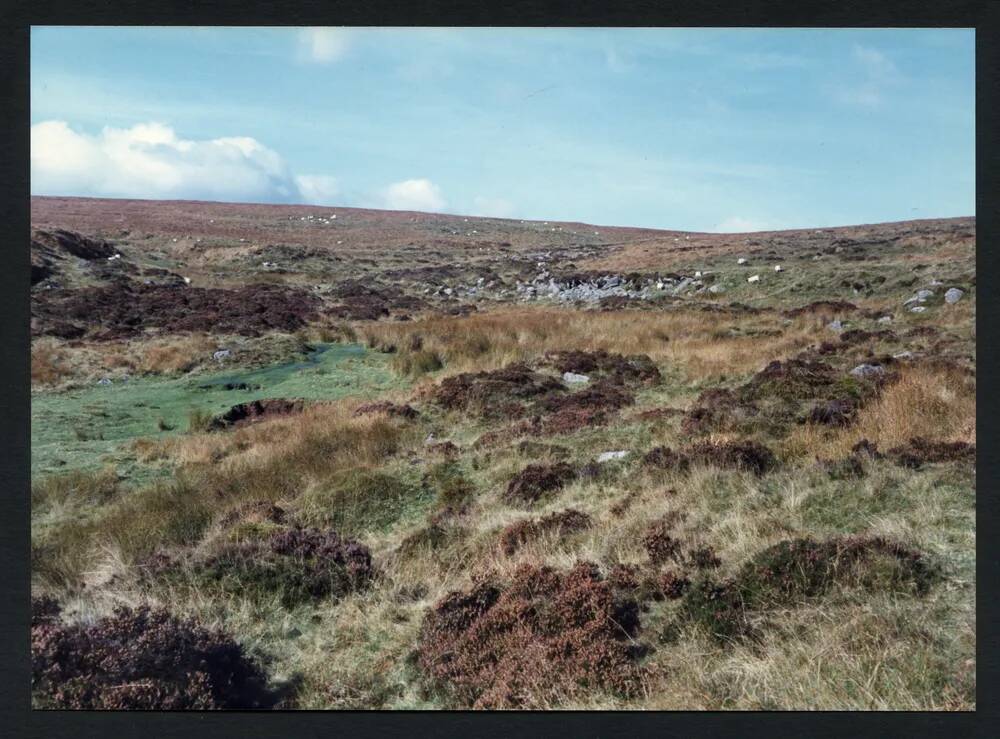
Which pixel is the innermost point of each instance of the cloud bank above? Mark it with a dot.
(322, 45)
(150, 161)
(419, 194)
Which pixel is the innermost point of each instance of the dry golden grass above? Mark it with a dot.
(174, 354)
(937, 403)
(48, 362)
(701, 344)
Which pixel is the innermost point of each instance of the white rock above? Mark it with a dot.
(753, 278)
(885, 319)
(221, 354)
(953, 295)
(868, 370)
(903, 355)
(835, 325)
(608, 456)
(741, 260)
(573, 378)
(104, 381)
(697, 274)
(777, 268)
(917, 309)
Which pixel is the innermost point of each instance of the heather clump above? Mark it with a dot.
(142, 659)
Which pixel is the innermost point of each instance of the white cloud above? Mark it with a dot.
(738, 224)
(149, 160)
(491, 207)
(322, 45)
(879, 67)
(318, 189)
(418, 194)
(877, 73)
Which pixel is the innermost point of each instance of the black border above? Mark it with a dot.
(16, 718)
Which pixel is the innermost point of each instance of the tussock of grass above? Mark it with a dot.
(936, 403)
(700, 342)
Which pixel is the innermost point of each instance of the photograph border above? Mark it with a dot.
(19, 720)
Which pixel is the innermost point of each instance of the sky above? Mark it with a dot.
(724, 130)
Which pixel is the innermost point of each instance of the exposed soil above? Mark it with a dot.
(244, 414)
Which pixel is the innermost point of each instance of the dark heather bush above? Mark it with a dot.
(659, 544)
(745, 455)
(143, 659)
(494, 394)
(536, 480)
(618, 369)
(919, 451)
(300, 564)
(792, 570)
(540, 637)
(561, 523)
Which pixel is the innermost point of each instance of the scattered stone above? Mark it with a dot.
(221, 354)
(835, 325)
(104, 381)
(741, 261)
(608, 456)
(573, 378)
(753, 278)
(778, 268)
(917, 309)
(868, 370)
(885, 319)
(953, 295)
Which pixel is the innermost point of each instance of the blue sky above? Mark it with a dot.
(695, 129)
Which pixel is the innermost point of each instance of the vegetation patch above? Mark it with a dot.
(244, 414)
(793, 570)
(919, 451)
(542, 637)
(499, 393)
(536, 481)
(743, 455)
(637, 369)
(299, 565)
(560, 525)
(140, 659)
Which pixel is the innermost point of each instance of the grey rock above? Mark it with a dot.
(885, 319)
(608, 456)
(221, 354)
(953, 295)
(917, 309)
(835, 325)
(573, 378)
(868, 370)
(104, 381)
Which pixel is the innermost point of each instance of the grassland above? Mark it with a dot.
(772, 536)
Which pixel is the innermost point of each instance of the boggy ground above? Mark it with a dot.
(761, 497)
